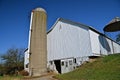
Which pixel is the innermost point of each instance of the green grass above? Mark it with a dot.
(106, 68)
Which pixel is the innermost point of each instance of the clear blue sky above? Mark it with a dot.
(15, 16)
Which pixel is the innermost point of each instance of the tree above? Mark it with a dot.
(13, 60)
(118, 38)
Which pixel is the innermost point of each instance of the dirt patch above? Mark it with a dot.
(49, 76)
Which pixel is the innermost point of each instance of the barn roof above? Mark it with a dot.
(73, 23)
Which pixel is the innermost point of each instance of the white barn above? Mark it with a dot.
(69, 44)
(26, 60)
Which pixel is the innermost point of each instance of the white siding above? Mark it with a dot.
(26, 60)
(100, 44)
(81, 60)
(84, 42)
(116, 47)
(103, 45)
(95, 45)
(109, 46)
(66, 40)
(68, 65)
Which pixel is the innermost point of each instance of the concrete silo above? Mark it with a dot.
(37, 42)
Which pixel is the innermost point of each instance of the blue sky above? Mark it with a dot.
(15, 16)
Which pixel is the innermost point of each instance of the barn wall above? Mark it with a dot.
(109, 46)
(103, 45)
(100, 45)
(84, 42)
(95, 42)
(67, 65)
(67, 40)
(116, 47)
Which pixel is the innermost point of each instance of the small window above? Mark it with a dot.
(62, 63)
(66, 64)
(74, 60)
(27, 65)
(70, 62)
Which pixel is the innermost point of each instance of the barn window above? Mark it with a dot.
(75, 60)
(70, 62)
(26, 65)
(66, 64)
(62, 63)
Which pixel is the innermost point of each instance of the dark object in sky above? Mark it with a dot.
(113, 26)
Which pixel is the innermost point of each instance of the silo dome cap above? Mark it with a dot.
(39, 9)
(113, 25)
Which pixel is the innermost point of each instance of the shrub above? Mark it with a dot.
(24, 73)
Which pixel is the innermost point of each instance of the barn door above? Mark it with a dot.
(58, 65)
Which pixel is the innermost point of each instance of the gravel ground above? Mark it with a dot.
(46, 77)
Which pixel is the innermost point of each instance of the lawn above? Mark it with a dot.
(105, 68)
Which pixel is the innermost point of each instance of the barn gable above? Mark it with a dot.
(68, 39)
